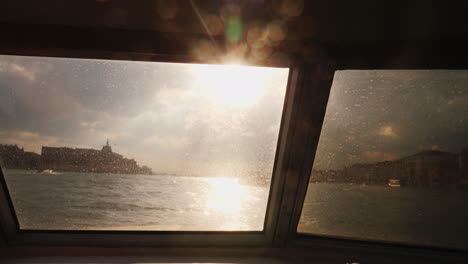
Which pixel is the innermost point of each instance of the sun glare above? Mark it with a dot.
(231, 85)
(226, 195)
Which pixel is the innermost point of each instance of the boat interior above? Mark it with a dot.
(312, 38)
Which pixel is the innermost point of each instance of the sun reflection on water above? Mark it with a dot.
(226, 195)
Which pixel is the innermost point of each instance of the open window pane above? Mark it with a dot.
(391, 163)
(120, 145)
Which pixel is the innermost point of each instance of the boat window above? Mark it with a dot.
(392, 160)
(121, 145)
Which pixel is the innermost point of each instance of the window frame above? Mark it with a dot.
(293, 160)
(437, 54)
(16, 236)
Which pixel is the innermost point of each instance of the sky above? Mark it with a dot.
(213, 120)
(175, 118)
(382, 115)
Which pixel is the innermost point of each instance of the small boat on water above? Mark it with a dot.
(394, 183)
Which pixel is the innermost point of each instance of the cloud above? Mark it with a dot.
(149, 111)
(168, 141)
(32, 93)
(400, 112)
(13, 68)
(89, 124)
(387, 131)
(29, 140)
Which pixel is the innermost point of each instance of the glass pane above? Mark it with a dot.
(391, 163)
(120, 145)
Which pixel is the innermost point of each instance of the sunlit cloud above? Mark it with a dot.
(159, 114)
(147, 116)
(29, 140)
(387, 131)
(168, 141)
(16, 69)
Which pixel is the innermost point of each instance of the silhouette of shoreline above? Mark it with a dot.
(427, 169)
(71, 159)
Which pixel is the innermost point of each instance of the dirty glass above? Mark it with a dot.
(121, 145)
(391, 163)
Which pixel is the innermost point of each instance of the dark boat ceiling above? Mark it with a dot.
(276, 30)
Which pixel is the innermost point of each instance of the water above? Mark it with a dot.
(86, 201)
(431, 217)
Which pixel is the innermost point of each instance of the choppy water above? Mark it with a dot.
(88, 201)
(431, 217)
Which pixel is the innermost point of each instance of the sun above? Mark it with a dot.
(231, 85)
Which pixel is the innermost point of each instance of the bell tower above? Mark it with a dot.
(107, 148)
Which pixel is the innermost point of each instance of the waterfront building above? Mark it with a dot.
(427, 169)
(430, 168)
(89, 160)
(13, 157)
